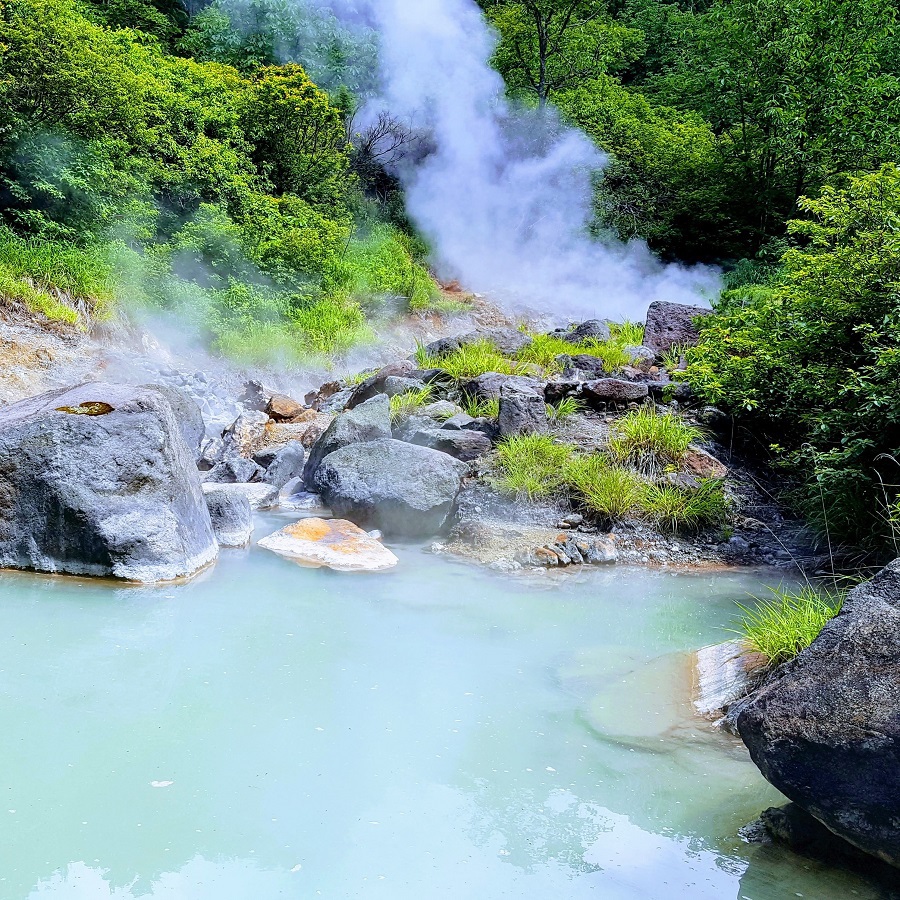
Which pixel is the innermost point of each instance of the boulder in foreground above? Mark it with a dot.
(334, 543)
(401, 488)
(825, 728)
(98, 480)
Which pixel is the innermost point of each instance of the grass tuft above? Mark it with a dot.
(532, 464)
(679, 509)
(565, 409)
(481, 409)
(470, 361)
(781, 626)
(651, 440)
(409, 403)
(610, 491)
(627, 334)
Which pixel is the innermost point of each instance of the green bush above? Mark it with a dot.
(610, 491)
(532, 464)
(809, 362)
(783, 625)
(650, 440)
(685, 509)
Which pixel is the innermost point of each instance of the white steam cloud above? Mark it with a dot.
(505, 199)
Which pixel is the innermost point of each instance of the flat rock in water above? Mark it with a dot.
(97, 480)
(334, 543)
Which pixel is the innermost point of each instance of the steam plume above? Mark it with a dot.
(505, 199)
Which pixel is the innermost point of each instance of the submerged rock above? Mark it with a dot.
(671, 323)
(401, 488)
(97, 480)
(334, 543)
(370, 421)
(825, 728)
(232, 517)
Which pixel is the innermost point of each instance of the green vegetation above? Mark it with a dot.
(610, 491)
(532, 464)
(808, 362)
(627, 334)
(650, 440)
(409, 403)
(471, 360)
(679, 509)
(781, 626)
(227, 196)
(565, 409)
(481, 409)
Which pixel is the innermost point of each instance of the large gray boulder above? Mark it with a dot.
(187, 415)
(825, 728)
(400, 488)
(370, 421)
(286, 465)
(97, 480)
(671, 323)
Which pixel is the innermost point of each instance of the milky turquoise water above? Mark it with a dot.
(268, 731)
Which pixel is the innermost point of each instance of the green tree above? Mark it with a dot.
(547, 46)
(811, 361)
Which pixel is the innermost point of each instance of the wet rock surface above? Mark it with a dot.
(400, 488)
(825, 727)
(333, 543)
(97, 480)
(231, 515)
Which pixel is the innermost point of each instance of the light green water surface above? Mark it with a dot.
(268, 731)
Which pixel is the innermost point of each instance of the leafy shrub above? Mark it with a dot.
(612, 492)
(532, 464)
(650, 440)
(781, 626)
(678, 509)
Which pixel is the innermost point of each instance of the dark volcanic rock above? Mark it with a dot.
(286, 466)
(487, 386)
(97, 480)
(825, 728)
(374, 384)
(582, 367)
(592, 329)
(522, 411)
(462, 444)
(613, 390)
(400, 488)
(671, 323)
(232, 517)
(234, 470)
(370, 421)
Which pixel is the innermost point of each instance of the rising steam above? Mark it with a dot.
(505, 198)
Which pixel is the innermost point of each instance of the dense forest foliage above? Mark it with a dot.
(204, 157)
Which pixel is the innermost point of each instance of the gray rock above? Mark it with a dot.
(592, 329)
(671, 323)
(286, 466)
(255, 396)
(458, 422)
(441, 410)
(522, 411)
(613, 390)
(397, 384)
(232, 518)
(461, 444)
(97, 480)
(187, 415)
(555, 391)
(641, 357)
(509, 341)
(487, 386)
(582, 367)
(246, 435)
(374, 384)
(825, 728)
(371, 421)
(234, 470)
(259, 496)
(400, 488)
